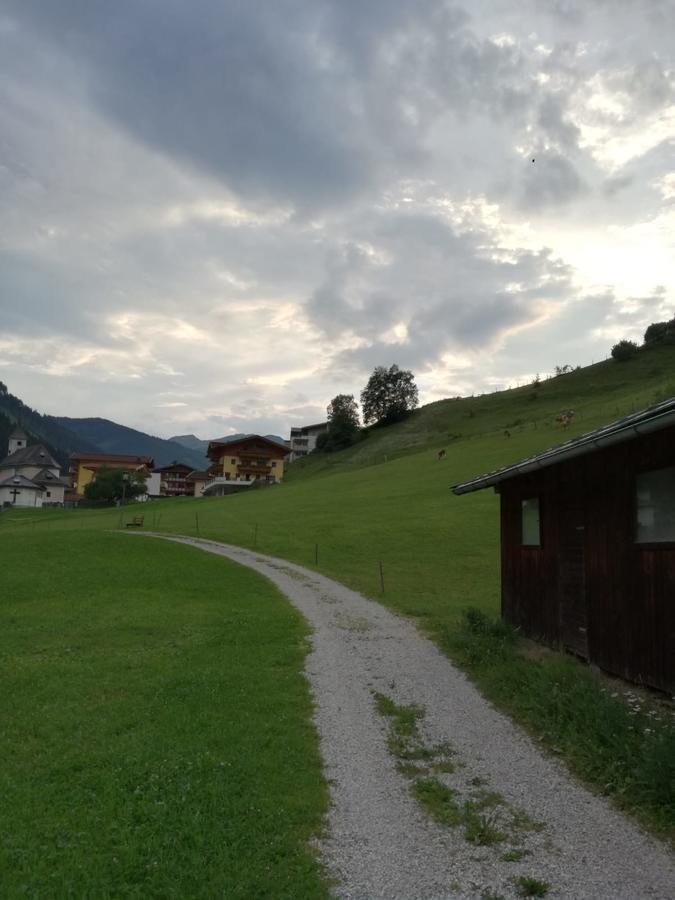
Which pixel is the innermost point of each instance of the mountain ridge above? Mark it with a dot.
(111, 437)
(193, 442)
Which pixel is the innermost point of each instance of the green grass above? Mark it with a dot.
(439, 553)
(531, 887)
(621, 742)
(156, 730)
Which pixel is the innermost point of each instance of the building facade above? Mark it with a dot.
(29, 475)
(173, 480)
(84, 466)
(588, 545)
(242, 462)
(198, 481)
(303, 439)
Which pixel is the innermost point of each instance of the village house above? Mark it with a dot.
(173, 480)
(241, 462)
(84, 466)
(303, 439)
(198, 481)
(588, 545)
(29, 475)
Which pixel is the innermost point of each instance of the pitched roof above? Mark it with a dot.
(173, 467)
(46, 476)
(198, 476)
(19, 433)
(306, 429)
(216, 446)
(35, 455)
(654, 418)
(112, 458)
(20, 481)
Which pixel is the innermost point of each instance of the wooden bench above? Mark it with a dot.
(136, 522)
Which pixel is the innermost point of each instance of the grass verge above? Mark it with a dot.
(618, 742)
(156, 724)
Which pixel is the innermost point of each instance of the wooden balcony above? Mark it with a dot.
(253, 469)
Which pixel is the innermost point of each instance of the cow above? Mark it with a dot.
(564, 419)
(440, 454)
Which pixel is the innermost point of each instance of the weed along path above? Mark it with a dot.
(434, 793)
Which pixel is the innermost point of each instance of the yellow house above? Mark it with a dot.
(243, 461)
(83, 466)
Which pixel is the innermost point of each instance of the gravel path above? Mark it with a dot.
(380, 844)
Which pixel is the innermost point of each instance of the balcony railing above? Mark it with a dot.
(254, 468)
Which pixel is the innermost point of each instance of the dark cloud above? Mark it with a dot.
(249, 205)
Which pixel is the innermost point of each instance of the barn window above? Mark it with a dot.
(530, 523)
(655, 506)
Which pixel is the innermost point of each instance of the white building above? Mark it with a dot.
(303, 439)
(30, 476)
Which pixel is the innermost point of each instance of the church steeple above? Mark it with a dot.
(18, 439)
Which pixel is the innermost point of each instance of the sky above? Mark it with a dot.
(217, 215)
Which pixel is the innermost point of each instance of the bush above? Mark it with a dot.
(624, 350)
(661, 333)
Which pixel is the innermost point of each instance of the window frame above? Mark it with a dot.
(637, 543)
(522, 501)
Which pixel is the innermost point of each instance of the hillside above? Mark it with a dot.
(597, 394)
(59, 440)
(110, 437)
(380, 518)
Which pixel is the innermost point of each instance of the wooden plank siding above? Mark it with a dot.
(589, 572)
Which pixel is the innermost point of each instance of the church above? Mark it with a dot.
(29, 475)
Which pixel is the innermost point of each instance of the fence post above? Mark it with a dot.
(381, 577)
(316, 554)
(197, 523)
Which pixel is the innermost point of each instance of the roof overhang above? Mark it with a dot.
(655, 418)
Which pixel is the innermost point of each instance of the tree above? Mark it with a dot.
(389, 395)
(343, 423)
(109, 485)
(660, 332)
(624, 350)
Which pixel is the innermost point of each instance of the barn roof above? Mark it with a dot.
(654, 418)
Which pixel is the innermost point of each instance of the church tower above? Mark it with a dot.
(18, 439)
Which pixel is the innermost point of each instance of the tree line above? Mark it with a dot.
(656, 333)
(389, 396)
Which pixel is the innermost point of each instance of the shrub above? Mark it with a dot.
(624, 350)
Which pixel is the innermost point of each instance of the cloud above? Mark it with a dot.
(244, 208)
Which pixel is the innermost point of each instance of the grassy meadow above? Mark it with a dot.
(387, 500)
(156, 732)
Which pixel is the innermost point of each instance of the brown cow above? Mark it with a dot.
(441, 454)
(564, 419)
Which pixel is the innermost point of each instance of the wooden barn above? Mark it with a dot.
(588, 545)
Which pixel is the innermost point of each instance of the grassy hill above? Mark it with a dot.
(384, 506)
(597, 394)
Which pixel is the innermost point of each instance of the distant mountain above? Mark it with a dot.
(109, 437)
(194, 443)
(60, 441)
(63, 435)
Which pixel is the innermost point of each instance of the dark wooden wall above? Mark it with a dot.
(626, 590)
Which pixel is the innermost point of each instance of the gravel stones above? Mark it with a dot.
(380, 843)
